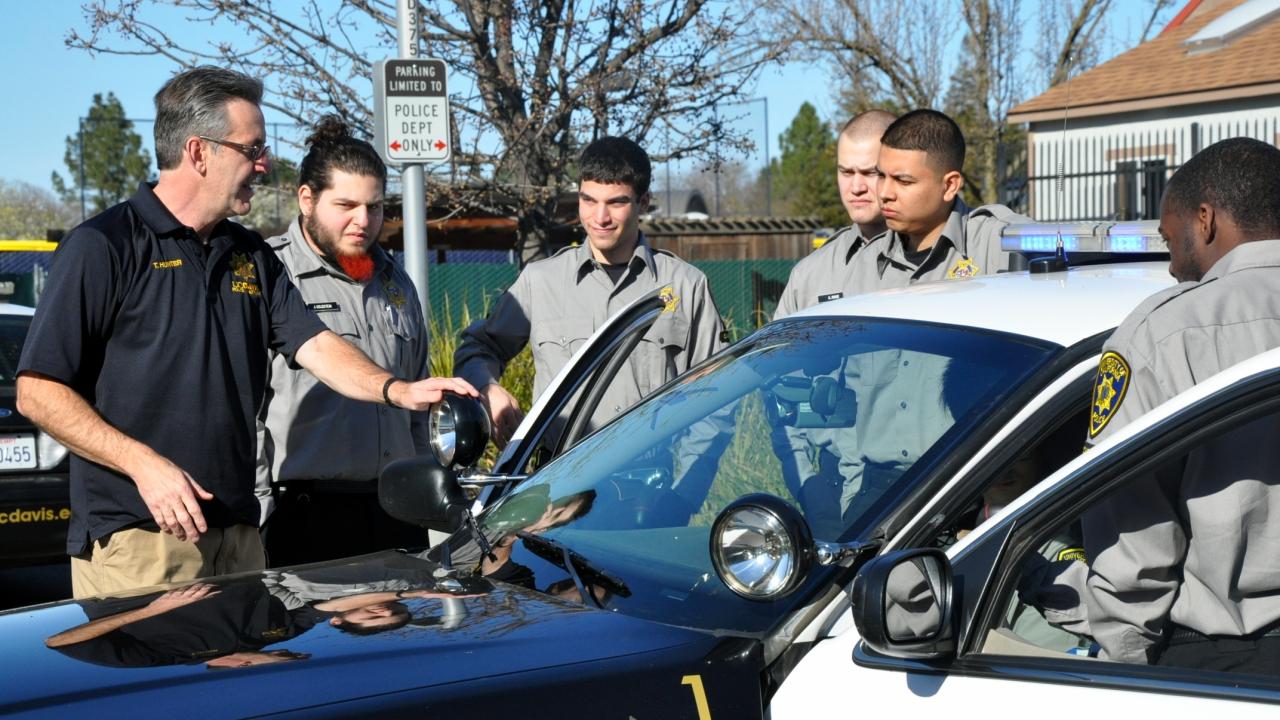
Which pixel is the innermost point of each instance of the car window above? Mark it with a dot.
(13, 333)
(1055, 447)
(858, 400)
(1172, 568)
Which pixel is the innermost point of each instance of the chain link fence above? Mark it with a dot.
(745, 291)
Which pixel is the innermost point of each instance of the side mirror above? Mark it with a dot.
(458, 428)
(421, 492)
(903, 604)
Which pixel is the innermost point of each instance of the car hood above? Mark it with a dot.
(110, 654)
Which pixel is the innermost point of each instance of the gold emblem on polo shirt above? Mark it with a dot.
(964, 268)
(244, 275)
(668, 296)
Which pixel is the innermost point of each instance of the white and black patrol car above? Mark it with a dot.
(661, 567)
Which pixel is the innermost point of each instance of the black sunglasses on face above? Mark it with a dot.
(253, 152)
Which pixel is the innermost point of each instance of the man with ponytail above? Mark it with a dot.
(319, 453)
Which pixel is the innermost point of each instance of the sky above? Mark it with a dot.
(50, 87)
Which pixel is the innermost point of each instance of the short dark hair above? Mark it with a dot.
(931, 131)
(194, 102)
(332, 147)
(616, 160)
(1238, 176)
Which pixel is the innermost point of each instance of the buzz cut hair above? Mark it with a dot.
(932, 132)
(867, 125)
(616, 161)
(194, 102)
(1237, 176)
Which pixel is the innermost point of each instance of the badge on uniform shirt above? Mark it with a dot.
(394, 294)
(1109, 389)
(830, 296)
(244, 276)
(668, 296)
(964, 268)
(324, 307)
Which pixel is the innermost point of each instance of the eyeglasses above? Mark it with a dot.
(254, 152)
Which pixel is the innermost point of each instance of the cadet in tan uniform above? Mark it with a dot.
(557, 303)
(824, 275)
(1187, 558)
(320, 451)
(932, 235)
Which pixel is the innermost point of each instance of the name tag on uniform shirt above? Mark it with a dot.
(830, 296)
(324, 307)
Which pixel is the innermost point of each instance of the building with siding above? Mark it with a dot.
(1103, 145)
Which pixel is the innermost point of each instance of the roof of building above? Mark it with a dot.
(1239, 57)
(728, 225)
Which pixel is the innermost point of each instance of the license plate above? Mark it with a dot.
(17, 452)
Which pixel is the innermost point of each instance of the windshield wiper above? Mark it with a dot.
(576, 565)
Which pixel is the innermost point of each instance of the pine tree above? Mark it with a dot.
(112, 155)
(804, 178)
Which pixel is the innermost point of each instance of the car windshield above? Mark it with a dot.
(830, 414)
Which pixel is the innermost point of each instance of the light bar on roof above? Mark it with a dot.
(1096, 237)
(1043, 237)
(1141, 236)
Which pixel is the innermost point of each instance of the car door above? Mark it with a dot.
(572, 395)
(1009, 669)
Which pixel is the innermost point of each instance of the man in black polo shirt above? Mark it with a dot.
(148, 353)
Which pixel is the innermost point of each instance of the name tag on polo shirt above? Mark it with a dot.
(830, 296)
(324, 307)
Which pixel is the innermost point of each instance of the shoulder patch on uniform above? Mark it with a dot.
(1109, 389)
(964, 268)
(668, 296)
(394, 294)
(1071, 553)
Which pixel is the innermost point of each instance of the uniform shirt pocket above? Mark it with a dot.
(661, 354)
(405, 335)
(342, 324)
(555, 341)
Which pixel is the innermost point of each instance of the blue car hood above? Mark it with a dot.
(165, 663)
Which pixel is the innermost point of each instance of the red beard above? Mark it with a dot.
(357, 267)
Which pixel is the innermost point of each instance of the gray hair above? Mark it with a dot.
(193, 102)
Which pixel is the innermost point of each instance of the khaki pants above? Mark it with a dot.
(137, 557)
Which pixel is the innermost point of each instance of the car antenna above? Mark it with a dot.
(1058, 261)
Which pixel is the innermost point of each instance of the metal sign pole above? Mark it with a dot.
(413, 183)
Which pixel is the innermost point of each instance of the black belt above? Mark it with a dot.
(1182, 635)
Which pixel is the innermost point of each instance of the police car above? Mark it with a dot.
(660, 567)
(34, 507)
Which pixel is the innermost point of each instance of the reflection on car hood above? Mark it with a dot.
(160, 662)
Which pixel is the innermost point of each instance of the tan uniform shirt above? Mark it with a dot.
(1196, 544)
(557, 303)
(823, 275)
(307, 431)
